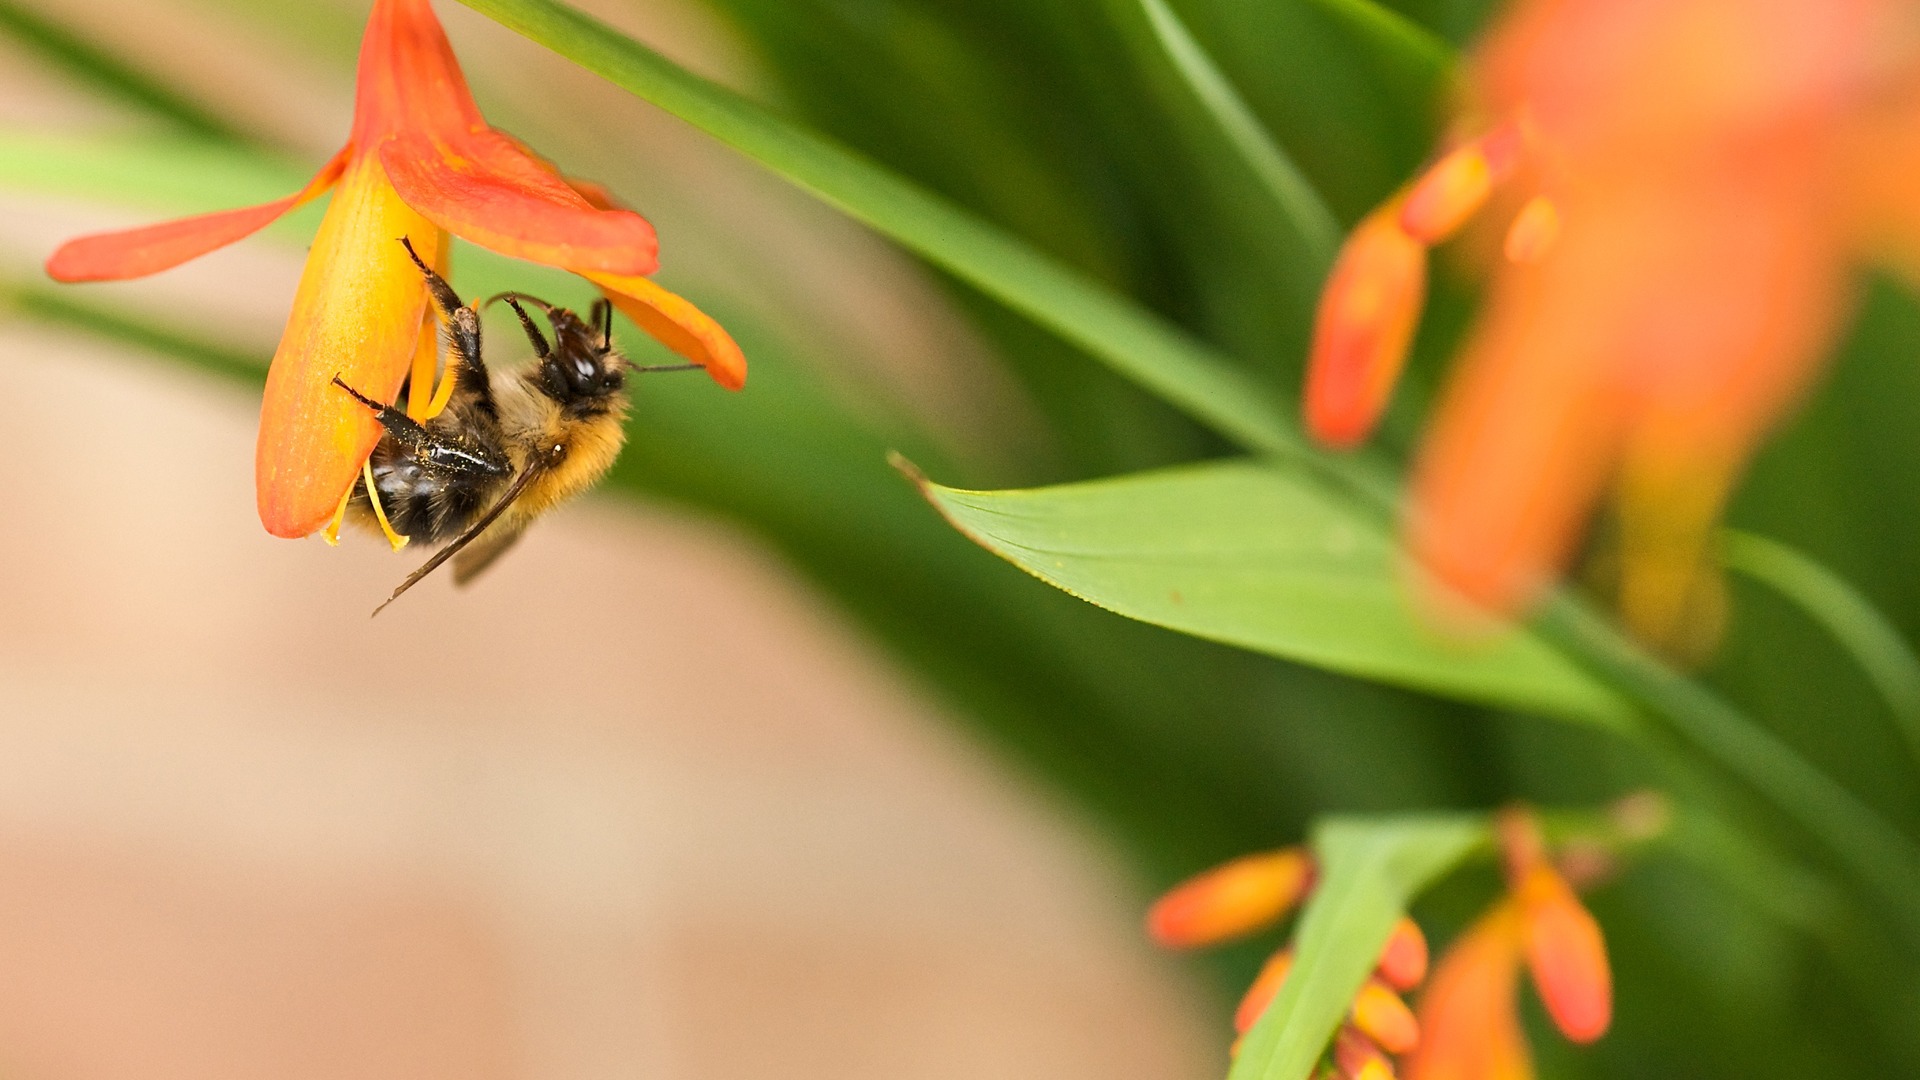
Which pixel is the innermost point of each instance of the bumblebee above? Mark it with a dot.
(506, 446)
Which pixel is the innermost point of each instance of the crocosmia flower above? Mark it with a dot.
(420, 163)
(1469, 1014)
(1685, 189)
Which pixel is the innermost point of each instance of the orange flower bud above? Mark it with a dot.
(1447, 194)
(1358, 1059)
(1403, 963)
(1229, 901)
(1364, 326)
(1533, 231)
(1266, 986)
(1385, 1019)
(1375, 1068)
(1567, 956)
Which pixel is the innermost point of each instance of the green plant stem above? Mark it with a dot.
(1410, 39)
(1839, 608)
(1276, 171)
(1882, 858)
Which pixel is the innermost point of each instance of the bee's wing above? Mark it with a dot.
(480, 554)
(459, 543)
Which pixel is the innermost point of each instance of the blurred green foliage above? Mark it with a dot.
(1063, 122)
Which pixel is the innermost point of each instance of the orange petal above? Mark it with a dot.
(357, 315)
(1384, 1018)
(676, 324)
(408, 78)
(138, 252)
(1469, 1014)
(482, 187)
(1567, 956)
(480, 184)
(1237, 898)
(1403, 963)
(1266, 986)
(1523, 440)
(1365, 323)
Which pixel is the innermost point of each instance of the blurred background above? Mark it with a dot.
(749, 763)
(644, 804)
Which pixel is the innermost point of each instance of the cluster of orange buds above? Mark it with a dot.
(1467, 1024)
(1255, 892)
(1470, 1014)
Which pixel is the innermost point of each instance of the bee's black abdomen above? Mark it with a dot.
(435, 484)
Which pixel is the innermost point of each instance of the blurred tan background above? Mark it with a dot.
(637, 805)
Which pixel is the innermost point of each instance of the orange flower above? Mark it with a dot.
(1469, 1015)
(420, 163)
(1696, 180)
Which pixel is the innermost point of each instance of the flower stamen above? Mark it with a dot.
(380, 513)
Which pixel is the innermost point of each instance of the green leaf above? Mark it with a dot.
(1269, 161)
(1838, 607)
(1135, 343)
(1265, 558)
(1394, 32)
(1370, 871)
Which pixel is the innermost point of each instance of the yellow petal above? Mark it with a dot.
(357, 315)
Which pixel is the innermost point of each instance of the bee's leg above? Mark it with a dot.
(463, 334)
(438, 454)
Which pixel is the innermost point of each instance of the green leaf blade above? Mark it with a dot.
(1283, 180)
(1264, 558)
(1852, 620)
(1370, 871)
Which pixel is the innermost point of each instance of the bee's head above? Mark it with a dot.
(581, 369)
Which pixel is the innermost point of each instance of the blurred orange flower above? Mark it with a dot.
(419, 163)
(1694, 182)
(1469, 1015)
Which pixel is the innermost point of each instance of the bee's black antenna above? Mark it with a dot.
(601, 315)
(534, 300)
(658, 368)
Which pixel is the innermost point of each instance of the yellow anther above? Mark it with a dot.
(1447, 194)
(444, 393)
(1533, 231)
(379, 514)
(332, 533)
